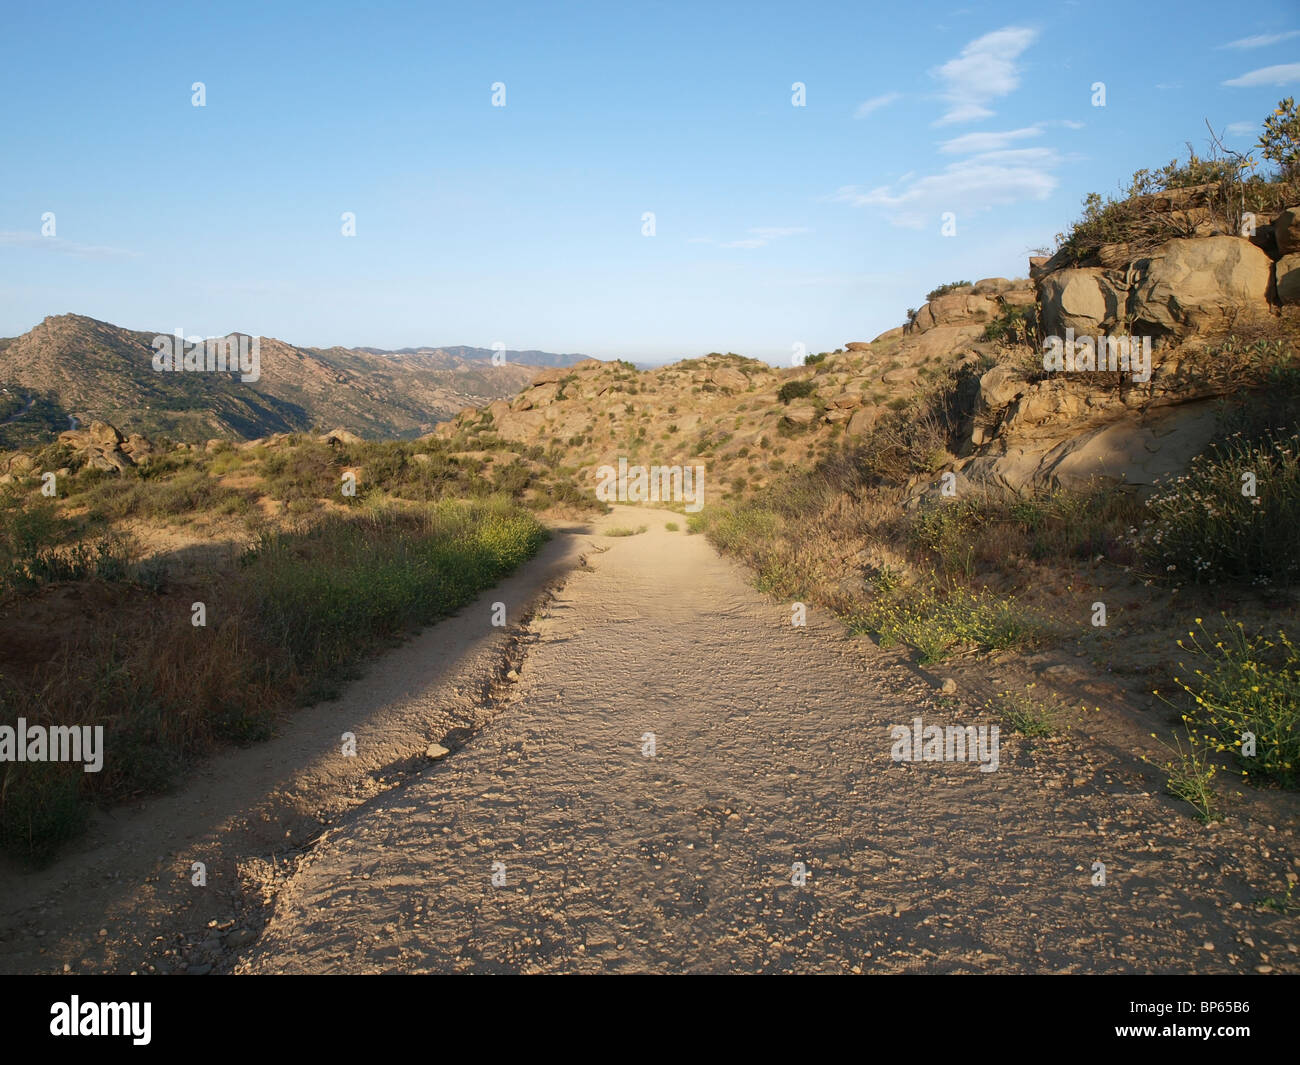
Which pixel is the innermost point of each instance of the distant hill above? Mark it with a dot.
(459, 351)
(73, 366)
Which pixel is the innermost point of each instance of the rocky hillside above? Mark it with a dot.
(70, 365)
(744, 419)
(1217, 312)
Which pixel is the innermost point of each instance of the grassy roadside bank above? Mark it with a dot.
(293, 593)
(1095, 573)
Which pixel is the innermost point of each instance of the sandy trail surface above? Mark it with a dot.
(552, 842)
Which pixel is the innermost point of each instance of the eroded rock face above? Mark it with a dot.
(1134, 449)
(1197, 286)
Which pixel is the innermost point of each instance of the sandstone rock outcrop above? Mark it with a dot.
(1198, 286)
(102, 447)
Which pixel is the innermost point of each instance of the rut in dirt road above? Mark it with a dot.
(772, 747)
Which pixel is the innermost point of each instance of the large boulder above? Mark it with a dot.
(140, 449)
(521, 424)
(103, 435)
(862, 421)
(950, 308)
(1288, 278)
(1086, 299)
(942, 341)
(1286, 231)
(1200, 285)
(536, 397)
(1000, 386)
(902, 375)
(800, 413)
(341, 436)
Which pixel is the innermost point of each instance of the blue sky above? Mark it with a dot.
(774, 224)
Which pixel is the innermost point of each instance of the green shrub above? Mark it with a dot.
(795, 390)
(1201, 527)
(1015, 325)
(939, 621)
(1241, 685)
(944, 289)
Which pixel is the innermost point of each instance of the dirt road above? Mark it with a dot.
(556, 841)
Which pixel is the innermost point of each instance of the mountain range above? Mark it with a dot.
(71, 369)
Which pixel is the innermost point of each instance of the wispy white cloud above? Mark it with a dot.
(987, 180)
(968, 143)
(18, 239)
(985, 70)
(1241, 129)
(1262, 40)
(762, 235)
(876, 103)
(1283, 74)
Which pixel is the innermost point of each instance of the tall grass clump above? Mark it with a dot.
(938, 622)
(371, 576)
(298, 613)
